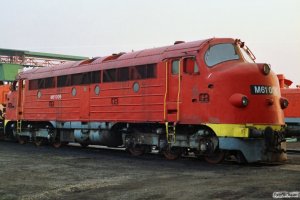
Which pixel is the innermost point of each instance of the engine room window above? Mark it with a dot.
(49, 82)
(76, 79)
(220, 53)
(33, 84)
(123, 74)
(86, 78)
(109, 75)
(190, 66)
(142, 70)
(175, 67)
(41, 83)
(151, 71)
(134, 75)
(95, 77)
(63, 81)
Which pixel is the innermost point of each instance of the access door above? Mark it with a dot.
(173, 89)
(85, 102)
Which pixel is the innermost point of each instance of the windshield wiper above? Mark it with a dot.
(245, 48)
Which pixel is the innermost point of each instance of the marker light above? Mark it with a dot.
(245, 101)
(265, 69)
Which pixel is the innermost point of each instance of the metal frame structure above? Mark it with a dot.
(35, 59)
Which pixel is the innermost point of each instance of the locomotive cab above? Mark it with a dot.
(246, 104)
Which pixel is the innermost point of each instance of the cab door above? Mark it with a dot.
(84, 96)
(85, 102)
(20, 99)
(193, 84)
(173, 88)
(62, 95)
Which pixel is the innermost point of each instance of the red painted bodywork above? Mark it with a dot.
(293, 96)
(219, 83)
(4, 90)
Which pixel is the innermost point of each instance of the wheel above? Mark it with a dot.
(22, 140)
(136, 151)
(38, 141)
(84, 145)
(57, 143)
(171, 154)
(216, 157)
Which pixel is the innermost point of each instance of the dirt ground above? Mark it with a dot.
(29, 172)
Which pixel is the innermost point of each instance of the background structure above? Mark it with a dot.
(270, 28)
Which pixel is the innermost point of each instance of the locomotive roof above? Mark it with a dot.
(147, 56)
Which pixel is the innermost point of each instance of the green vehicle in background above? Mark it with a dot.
(13, 61)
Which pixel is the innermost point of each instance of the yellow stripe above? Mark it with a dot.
(238, 130)
(5, 122)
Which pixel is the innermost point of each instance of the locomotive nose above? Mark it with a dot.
(249, 87)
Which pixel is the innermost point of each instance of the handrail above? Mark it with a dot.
(166, 93)
(179, 88)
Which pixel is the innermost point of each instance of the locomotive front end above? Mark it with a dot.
(246, 110)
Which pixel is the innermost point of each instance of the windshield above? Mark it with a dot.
(220, 53)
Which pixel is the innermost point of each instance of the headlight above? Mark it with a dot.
(284, 103)
(239, 100)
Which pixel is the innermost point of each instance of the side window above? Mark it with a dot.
(123, 74)
(190, 66)
(109, 75)
(49, 82)
(76, 79)
(80, 79)
(95, 77)
(33, 84)
(175, 67)
(41, 83)
(142, 71)
(151, 71)
(86, 78)
(63, 81)
(134, 74)
(130, 73)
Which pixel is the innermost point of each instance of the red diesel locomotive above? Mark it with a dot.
(292, 113)
(206, 97)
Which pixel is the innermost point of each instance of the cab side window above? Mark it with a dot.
(190, 66)
(175, 67)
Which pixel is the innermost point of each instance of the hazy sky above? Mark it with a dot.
(271, 28)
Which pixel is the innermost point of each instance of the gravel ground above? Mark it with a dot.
(71, 172)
